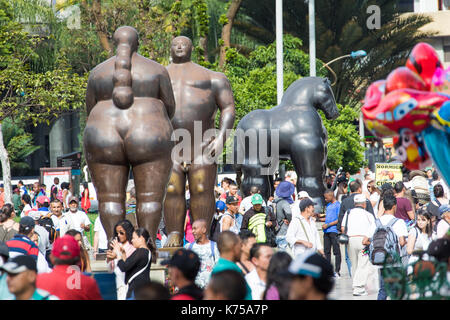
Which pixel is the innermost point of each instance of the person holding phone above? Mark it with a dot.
(123, 233)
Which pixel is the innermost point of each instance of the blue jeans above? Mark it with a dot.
(281, 242)
(382, 292)
(349, 263)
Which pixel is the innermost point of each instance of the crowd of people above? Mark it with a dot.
(253, 249)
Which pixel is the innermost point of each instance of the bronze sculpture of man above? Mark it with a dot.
(129, 104)
(199, 93)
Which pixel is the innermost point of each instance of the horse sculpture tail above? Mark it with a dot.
(126, 39)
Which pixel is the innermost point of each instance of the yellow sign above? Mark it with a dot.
(388, 173)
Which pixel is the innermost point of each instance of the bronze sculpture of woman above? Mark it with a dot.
(130, 104)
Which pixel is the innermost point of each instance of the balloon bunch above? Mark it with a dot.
(413, 106)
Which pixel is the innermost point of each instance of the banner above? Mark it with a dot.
(49, 174)
(388, 173)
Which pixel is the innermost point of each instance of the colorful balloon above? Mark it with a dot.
(413, 106)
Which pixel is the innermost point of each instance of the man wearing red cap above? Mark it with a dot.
(66, 280)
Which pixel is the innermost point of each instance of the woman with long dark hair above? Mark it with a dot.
(26, 201)
(137, 266)
(277, 286)
(7, 224)
(85, 262)
(123, 234)
(420, 236)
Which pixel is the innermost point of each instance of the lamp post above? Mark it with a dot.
(354, 55)
(312, 39)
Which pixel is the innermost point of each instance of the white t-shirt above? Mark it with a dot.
(234, 228)
(442, 228)
(256, 284)
(399, 227)
(78, 218)
(102, 238)
(295, 232)
(422, 241)
(42, 264)
(62, 224)
(246, 204)
(26, 210)
(360, 223)
(208, 261)
(375, 197)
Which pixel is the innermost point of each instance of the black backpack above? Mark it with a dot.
(47, 223)
(214, 231)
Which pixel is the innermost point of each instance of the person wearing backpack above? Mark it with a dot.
(388, 239)
(206, 250)
(283, 212)
(214, 230)
(258, 220)
(358, 224)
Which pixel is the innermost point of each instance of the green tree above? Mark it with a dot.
(19, 145)
(25, 95)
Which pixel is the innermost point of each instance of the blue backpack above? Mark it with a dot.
(384, 243)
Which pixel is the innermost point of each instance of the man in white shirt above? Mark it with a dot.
(302, 232)
(400, 229)
(79, 219)
(100, 237)
(260, 255)
(359, 225)
(246, 203)
(61, 221)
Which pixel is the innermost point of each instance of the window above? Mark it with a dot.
(446, 53)
(406, 6)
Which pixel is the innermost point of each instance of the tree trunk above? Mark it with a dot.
(226, 29)
(6, 169)
(203, 42)
(98, 17)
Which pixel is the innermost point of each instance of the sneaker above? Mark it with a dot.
(337, 275)
(360, 293)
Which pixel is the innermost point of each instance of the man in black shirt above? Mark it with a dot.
(348, 203)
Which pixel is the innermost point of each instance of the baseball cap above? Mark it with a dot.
(312, 264)
(66, 247)
(20, 264)
(72, 198)
(28, 223)
(42, 199)
(444, 208)
(232, 199)
(257, 199)
(359, 198)
(186, 260)
(220, 205)
(303, 194)
(305, 203)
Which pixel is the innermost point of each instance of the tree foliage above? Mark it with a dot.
(19, 145)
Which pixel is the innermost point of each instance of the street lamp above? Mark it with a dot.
(354, 55)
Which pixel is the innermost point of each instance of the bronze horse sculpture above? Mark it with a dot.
(302, 138)
(129, 105)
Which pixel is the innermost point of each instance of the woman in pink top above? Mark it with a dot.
(277, 286)
(188, 236)
(123, 233)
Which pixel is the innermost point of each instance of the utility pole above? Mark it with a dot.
(279, 42)
(312, 40)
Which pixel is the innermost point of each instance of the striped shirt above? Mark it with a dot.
(21, 244)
